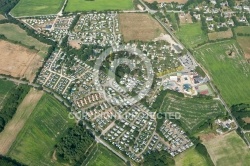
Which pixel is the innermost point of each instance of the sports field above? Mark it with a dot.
(37, 7)
(191, 35)
(15, 33)
(244, 40)
(98, 5)
(35, 142)
(230, 72)
(104, 156)
(5, 88)
(228, 149)
(194, 111)
(190, 157)
(15, 125)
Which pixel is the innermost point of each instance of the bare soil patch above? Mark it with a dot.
(75, 44)
(207, 137)
(185, 18)
(138, 26)
(24, 110)
(220, 35)
(167, 1)
(247, 119)
(18, 61)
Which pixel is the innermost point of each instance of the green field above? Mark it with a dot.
(191, 157)
(191, 35)
(231, 74)
(228, 149)
(98, 5)
(244, 40)
(103, 156)
(35, 143)
(36, 7)
(15, 33)
(5, 88)
(194, 111)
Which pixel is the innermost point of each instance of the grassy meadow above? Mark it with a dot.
(230, 74)
(35, 142)
(36, 7)
(104, 156)
(194, 112)
(5, 88)
(244, 40)
(15, 33)
(98, 5)
(191, 35)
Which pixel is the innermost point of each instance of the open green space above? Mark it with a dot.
(36, 142)
(194, 112)
(5, 87)
(230, 72)
(15, 33)
(243, 38)
(103, 156)
(228, 149)
(98, 5)
(191, 35)
(37, 7)
(247, 135)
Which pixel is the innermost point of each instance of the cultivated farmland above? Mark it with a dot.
(140, 26)
(15, 33)
(244, 40)
(228, 149)
(11, 130)
(229, 70)
(220, 35)
(103, 156)
(36, 7)
(191, 35)
(18, 61)
(98, 5)
(194, 112)
(35, 142)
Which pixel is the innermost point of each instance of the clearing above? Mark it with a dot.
(18, 61)
(244, 40)
(194, 111)
(228, 149)
(9, 134)
(98, 5)
(167, 1)
(185, 18)
(220, 35)
(138, 26)
(103, 156)
(191, 35)
(36, 142)
(225, 62)
(36, 7)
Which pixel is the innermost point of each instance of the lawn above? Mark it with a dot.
(98, 5)
(36, 7)
(230, 74)
(191, 157)
(191, 35)
(194, 111)
(228, 149)
(104, 156)
(5, 88)
(35, 142)
(15, 33)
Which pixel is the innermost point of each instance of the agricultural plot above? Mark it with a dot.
(229, 70)
(103, 156)
(138, 26)
(36, 7)
(228, 149)
(191, 35)
(5, 88)
(15, 125)
(18, 61)
(190, 157)
(168, 1)
(35, 142)
(194, 112)
(244, 40)
(15, 33)
(98, 5)
(220, 35)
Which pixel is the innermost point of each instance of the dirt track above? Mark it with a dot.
(18, 61)
(8, 136)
